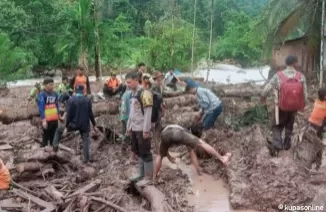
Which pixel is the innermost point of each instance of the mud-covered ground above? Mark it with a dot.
(256, 180)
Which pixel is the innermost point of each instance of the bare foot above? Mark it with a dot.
(225, 159)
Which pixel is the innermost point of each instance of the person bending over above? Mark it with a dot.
(176, 135)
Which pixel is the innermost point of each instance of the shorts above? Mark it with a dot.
(176, 136)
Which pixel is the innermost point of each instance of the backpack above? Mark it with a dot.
(291, 97)
(157, 102)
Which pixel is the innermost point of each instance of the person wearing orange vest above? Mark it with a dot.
(48, 107)
(81, 79)
(112, 85)
(318, 116)
(4, 177)
(310, 137)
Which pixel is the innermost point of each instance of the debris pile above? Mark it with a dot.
(44, 180)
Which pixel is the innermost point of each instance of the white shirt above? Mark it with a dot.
(168, 77)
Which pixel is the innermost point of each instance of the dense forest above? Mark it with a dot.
(42, 34)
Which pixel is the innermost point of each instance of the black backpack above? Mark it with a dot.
(157, 102)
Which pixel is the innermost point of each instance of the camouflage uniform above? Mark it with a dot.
(286, 119)
(137, 124)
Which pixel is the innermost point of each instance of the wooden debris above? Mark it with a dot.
(42, 155)
(10, 115)
(54, 193)
(112, 205)
(5, 147)
(29, 167)
(89, 187)
(9, 203)
(47, 205)
(155, 197)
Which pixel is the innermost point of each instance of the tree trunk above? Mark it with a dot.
(183, 119)
(98, 68)
(210, 41)
(29, 167)
(180, 101)
(193, 40)
(13, 115)
(42, 155)
(172, 39)
(156, 198)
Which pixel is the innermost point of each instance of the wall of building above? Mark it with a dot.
(298, 48)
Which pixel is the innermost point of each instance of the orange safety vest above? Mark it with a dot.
(81, 80)
(318, 113)
(113, 83)
(4, 177)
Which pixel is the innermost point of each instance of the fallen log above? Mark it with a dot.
(29, 167)
(54, 193)
(238, 91)
(24, 113)
(42, 155)
(31, 111)
(183, 119)
(96, 142)
(156, 198)
(181, 101)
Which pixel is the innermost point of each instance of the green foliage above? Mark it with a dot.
(237, 42)
(15, 62)
(61, 33)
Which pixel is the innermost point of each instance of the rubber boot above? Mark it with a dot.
(140, 173)
(148, 180)
(287, 143)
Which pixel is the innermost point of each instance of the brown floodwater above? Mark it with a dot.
(206, 194)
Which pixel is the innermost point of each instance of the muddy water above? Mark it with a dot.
(206, 193)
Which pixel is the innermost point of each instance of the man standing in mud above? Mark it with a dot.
(291, 89)
(139, 126)
(80, 113)
(81, 79)
(49, 109)
(211, 106)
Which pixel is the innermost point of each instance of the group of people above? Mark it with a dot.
(69, 108)
(142, 107)
(66, 108)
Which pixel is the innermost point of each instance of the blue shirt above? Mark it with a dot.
(125, 105)
(207, 100)
(47, 99)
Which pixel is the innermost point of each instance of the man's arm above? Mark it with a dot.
(57, 102)
(273, 83)
(41, 104)
(70, 112)
(147, 100)
(72, 83)
(88, 86)
(91, 114)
